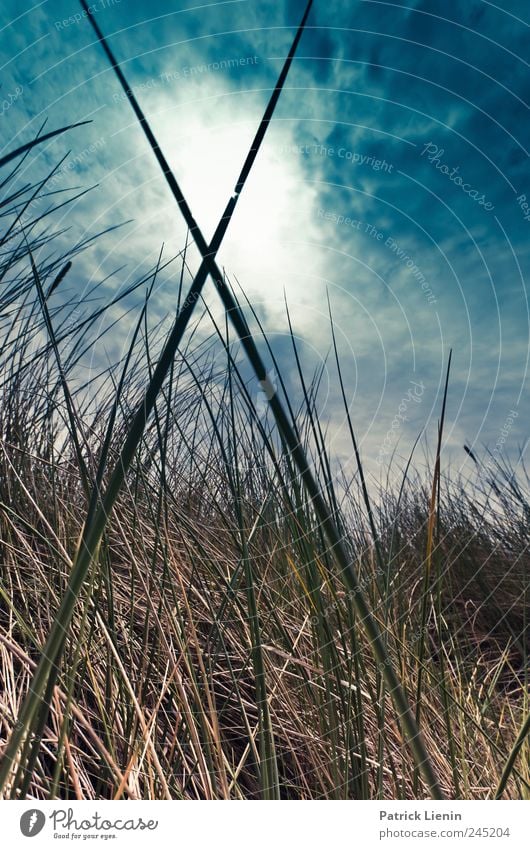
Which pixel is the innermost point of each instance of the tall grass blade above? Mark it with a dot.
(510, 763)
(8, 157)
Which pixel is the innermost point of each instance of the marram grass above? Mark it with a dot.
(184, 614)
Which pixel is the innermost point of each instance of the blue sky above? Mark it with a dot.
(393, 177)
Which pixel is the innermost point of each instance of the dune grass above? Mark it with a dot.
(214, 551)
(195, 602)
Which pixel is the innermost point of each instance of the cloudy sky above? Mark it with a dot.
(394, 177)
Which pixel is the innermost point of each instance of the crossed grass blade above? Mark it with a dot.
(325, 517)
(209, 267)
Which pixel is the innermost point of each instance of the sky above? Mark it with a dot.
(394, 178)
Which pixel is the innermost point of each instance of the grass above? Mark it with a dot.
(195, 602)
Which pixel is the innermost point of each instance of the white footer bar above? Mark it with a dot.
(297, 825)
